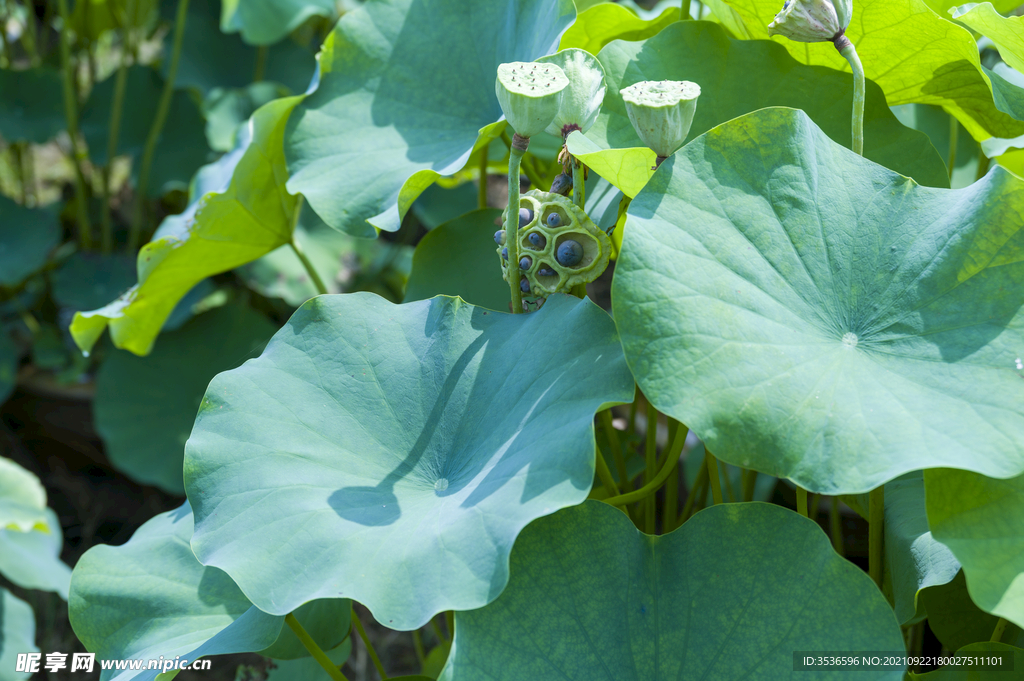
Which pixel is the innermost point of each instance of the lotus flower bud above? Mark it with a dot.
(528, 94)
(812, 21)
(661, 112)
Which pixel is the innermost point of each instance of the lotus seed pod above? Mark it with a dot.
(499, 237)
(525, 262)
(575, 234)
(661, 112)
(525, 217)
(812, 21)
(569, 253)
(580, 102)
(528, 95)
(524, 285)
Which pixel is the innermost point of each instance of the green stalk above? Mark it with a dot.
(749, 484)
(579, 189)
(30, 33)
(954, 135)
(158, 125)
(997, 633)
(668, 464)
(369, 646)
(606, 475)
(698, 488)
(612, 436)
(801, 501)
(449, 623)
(716, 482)
(107, 230)
(515, 158)
(261, 64)
(983, 162)
(310, 270)
(876, 520)
(17, 152)
(437, 630)
(730, 493)
(848, 51)
(684, 11)
(652, 471)
(311, 645)
(71, 115)
(835, 522)
(481, 192)
(671, 512)
(815, 503)
(417, 645)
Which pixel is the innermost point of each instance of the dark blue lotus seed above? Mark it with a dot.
(554, 220)
(525, 216)
(569, 253)
(536, 239)
(524, 285)
(525, 262)
(504, 253)
(499, 237)
(546, 272)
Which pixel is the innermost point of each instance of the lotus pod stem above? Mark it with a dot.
(849, 52)
(515, 158)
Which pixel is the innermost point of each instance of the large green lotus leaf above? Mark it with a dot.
(188, 609)
(240, 214)
(392, 453)
(964, 671)
(729, 595)
(88, 279)
(817, 317)
(264, 22)
(957, 621)
(22, 499)
(32, 559)
(32, 106)
(181, 147)
(599, 25)
(437, 204)
(740, 76)
(213, 59)
(405, 88)
(934, 122)
(1008, 90)
(17, 634)
(145, 406)
(459, 258)
(913, 54)
(1006, 32)
(27, 235)
(627, 169)
(228, 109)
(981, 520)
(914, 559)
(942, 7)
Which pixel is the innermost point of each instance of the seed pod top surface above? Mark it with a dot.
(528, 93)
(812, 21)
(661, 112)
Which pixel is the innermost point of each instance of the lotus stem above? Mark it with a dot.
(449, 623)
(713, 475)
(437, 630)
(515, 158)
(31, 33)
(261, 64)
(71, 115)
(801, 501)
(749, 484)
(684, 11)
(954, 135)
(997, 633)
(876, 521)
(417, 645)
(670, 462)
(698, 488)
(650, 452)
(612, 436)
(848, 51)
(579, 189)
(837, 527)
(605, 474)
(369, 646)
(312, 647)
(481, 192)
(983, 162)
(306, 263)
(106, 233)
(158, 125)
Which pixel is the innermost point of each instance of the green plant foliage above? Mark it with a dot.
(182, 144)
(963, 672)
(437, 204)
(981, 520)
(212, 59)
(737, 77)
(87, 280)
(809, 335)
(9, 356)
(27, 235)
(241, 211)
(913, 54)
(457, 259)
(731, 478)
(22, 499)
(1006, 32)
(415, 444)
(264, 22)
(934, 122)
(308, 667)
(955, 619)
(228, 109)
(942, 7)
(90, 19)
(406, 88)
(914, 559)
(627, 169)
(17, 634)
(145, 407)
(188, 610)
(32, 559)
(592, 598)
(601, 24)
(1008, 90)
(32, 107)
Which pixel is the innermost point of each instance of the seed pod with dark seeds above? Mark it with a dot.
(554, 220)
(525, 262)
(536, 239)
(525, 217)
(524, 285)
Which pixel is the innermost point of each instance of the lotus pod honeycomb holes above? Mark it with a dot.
(559, 248)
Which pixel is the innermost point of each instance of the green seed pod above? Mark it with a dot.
(528, 94)
(580, 102)
(661, 112)
(812, 21)
(572, 231)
